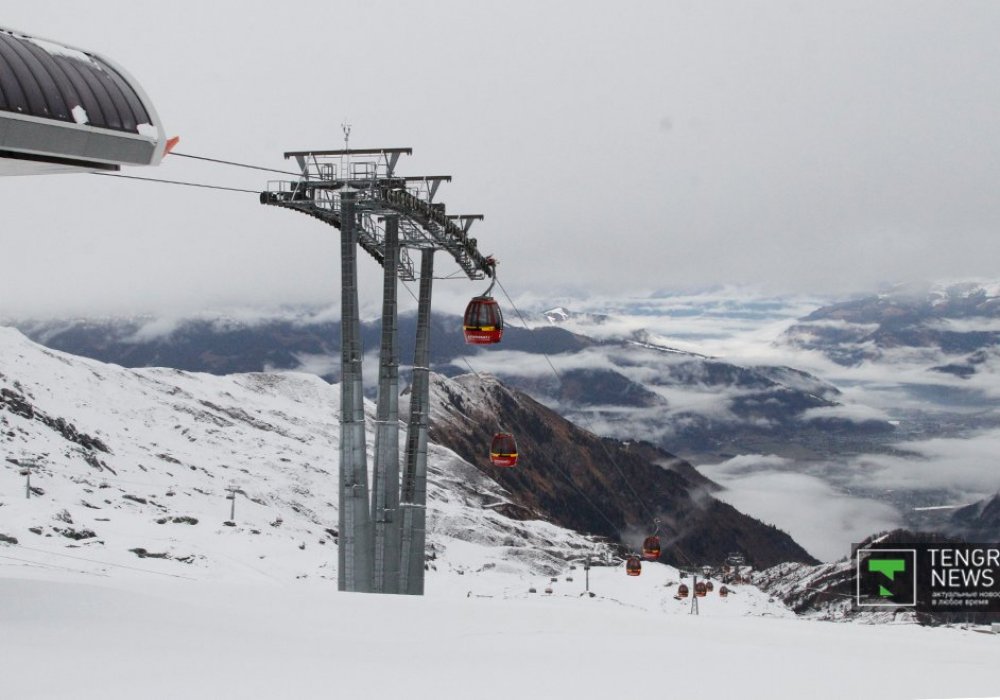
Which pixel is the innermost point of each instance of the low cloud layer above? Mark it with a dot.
(966, 466)
(818, 516)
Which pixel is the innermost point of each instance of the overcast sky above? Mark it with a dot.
(614, 148)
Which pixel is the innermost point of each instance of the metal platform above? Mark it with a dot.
(370, 174)
(64, 109)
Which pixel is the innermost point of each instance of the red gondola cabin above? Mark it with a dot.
(651, 548)
(723, 591)
(683, 591)
(700, 589)
(483, 321)
(633, 567)
(503, 451)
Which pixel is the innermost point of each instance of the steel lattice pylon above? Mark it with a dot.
(381, 542)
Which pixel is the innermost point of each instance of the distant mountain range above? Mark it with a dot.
(628, 386)
(956, 327)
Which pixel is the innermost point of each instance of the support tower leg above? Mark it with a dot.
(413, 499)
(385, 475)
(354, 572)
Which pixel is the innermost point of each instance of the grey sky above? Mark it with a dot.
(613, 147)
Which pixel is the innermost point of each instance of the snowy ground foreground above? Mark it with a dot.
(251, 610)
(131, 637)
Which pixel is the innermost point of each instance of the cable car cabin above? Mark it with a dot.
(723, 592)
(503, 451)
(633, 566)
(683, 591)
(67, 110)
(709, 586)
(651, 548)
(483, 321)
(700, 589)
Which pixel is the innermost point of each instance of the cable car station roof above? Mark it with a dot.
(64, 109)
(370, 173)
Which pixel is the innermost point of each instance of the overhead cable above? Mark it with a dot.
(177, 182)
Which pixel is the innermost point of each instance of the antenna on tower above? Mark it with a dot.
(345, 159)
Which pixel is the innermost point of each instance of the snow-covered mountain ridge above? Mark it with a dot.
(952, 328)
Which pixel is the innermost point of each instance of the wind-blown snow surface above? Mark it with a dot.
(129, 638)
(139, 461)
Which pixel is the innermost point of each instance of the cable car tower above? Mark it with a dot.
(382, 538)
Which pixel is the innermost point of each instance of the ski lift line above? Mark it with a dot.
(559, 379)
(562, 473)
(104, 563)
(87, 481)
(649, 513)
(407, 287)
(111, 480)
(481, 384)
(597, 510)
(234, 163)
(178, 182)
(607, 452)
(44, 565)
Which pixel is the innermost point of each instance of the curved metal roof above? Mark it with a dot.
(47, 80)
(62, 104)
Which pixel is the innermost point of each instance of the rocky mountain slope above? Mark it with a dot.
(977, 522)
(599, 485)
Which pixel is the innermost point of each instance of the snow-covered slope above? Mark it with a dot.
(65, 637)
(134, 467)
(249, 610)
